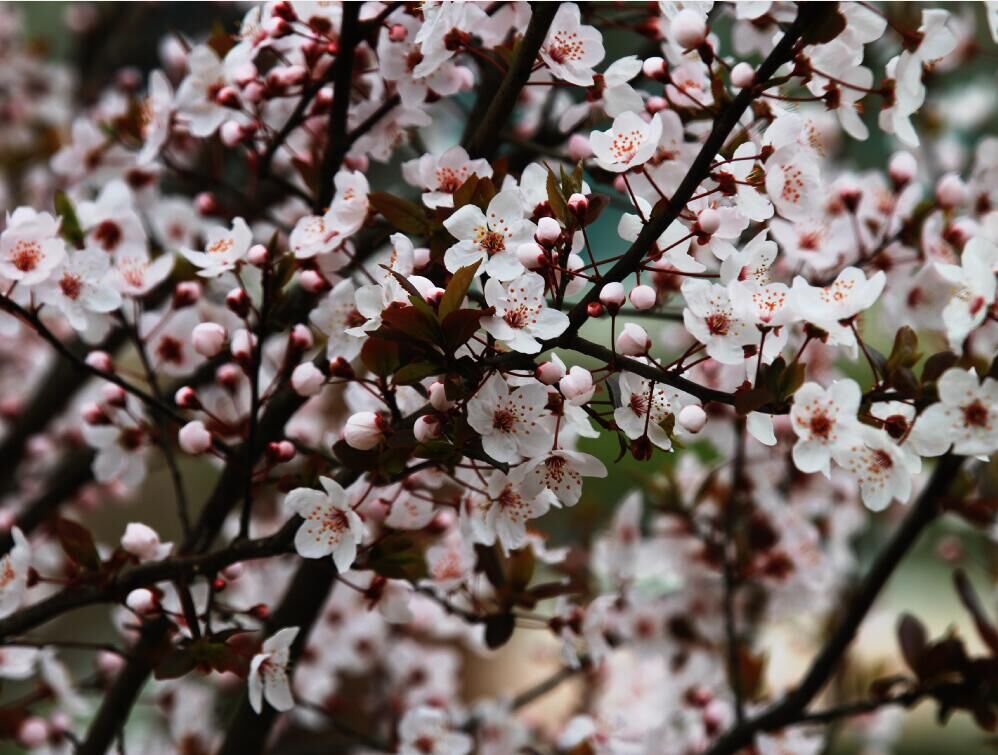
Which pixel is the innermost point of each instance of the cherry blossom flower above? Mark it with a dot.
(966, 414)
(629, 143)
(224, 247)
(792, 183)
(79, 288)
(491, 237)
(441, 175)
(336, 314)
(268, 676)
(572, 50)
(882, 469)
(560, 472)
(157, 113)
(427, 731)
(644, 409)
(136, 276)
(112, 224)
(14, 573)
(197, 98)
(143, 542)
(833, 307)
(975, 282)
(501, 514)
(522, 320)
(30, 246)
(710, 318)
(822, 420)
(331, 526)
(511, 423)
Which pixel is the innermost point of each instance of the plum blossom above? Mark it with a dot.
(559, 472)
(268, 676)
(822, 420)
(522, 320)
(491, 237)
(881, 467)
(441, 175)
(427, 731)
(30, 246)
(14, 573)
(710, 317)
(511, 423)
(79, 287)
(646, 409)
(974, 279)
(966, 414)
(331, 526)
(834, 307)
(629, 143)
(223, 249)
(501, 515)
(572, 50)
(336, 314)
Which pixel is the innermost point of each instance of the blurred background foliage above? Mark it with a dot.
(961, 107)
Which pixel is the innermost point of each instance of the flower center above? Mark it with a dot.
(718, 323)
(26, 255)
(503, 420)
(108, 235)
(71, 286)
(821, 425)
(493, 243)
(975, 414)
(170, 350)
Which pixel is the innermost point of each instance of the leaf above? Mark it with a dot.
(556, 200)
(936, 365)
(456, 290)
(499, 629)
(175, 664)
(405, 283)
(466, 191)
(78, 544)
(401, 213)
(826, 27)
(461, 325)
(597, 203)
(905, 351)
(70, 226)
(218, 656)
(416, 371)
(912, 639)
(380, 355)
(747, 401)
(521, 568)
(409, 320)
(397, 556)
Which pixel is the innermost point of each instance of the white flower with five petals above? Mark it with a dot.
(268, 675)
(522, 319)
(331, 526)
(491, 237)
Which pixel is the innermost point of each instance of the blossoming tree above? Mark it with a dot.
(421, 328)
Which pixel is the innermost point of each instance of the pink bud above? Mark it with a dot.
(242, 345)
(548, 231)
(141, 601)
(612, 296)
(397, 33)
(656, 104)
(282, 451)
(902, 168)
(109, 664)
(692, 418)
(594, 309)
(642, 297)
(438, 397)
(951, 191)
(228, 376)
(141, 541)
(364, 431)
(708, 221)
(113, 395)
(313, 282)
(283, 9)
(301, 337)
(743, 75)
(232, 572)
(186, 294)
(579, 204)
(277, 27)
(549, 373)
(208, 339)
(258, 255)
(93, 414)
(254, 91)
(187, 398)
(228, 97)
(654, 67)
(231, 133)
(577, 386)
(206, 203)
(420, 257)
(194, 438)
(579, 147)
(689, 29)
(307, 379)
(244, 74)
(33, 732)
(238, 301)
(293, 75)
(427, 428)
(100, 360)
(530, 255)
(633, 341)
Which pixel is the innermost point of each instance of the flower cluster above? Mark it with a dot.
(630, 359)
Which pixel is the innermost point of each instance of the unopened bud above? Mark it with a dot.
(692, 418)
(307, 379)
(208, 339)
(364, 431)
(142, 601)
(186, 294)
(642, 297)
(238, 301)
(633, 341)
(187, 398)
(612, 296)
(708, 221)
(438, 397)
(688, 29)
(548, 231)
(194, 438)
(427, 428)
(100, 360)
(742, 75)
(549, 373)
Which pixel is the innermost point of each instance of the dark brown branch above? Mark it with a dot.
(485, 139)
(792, 708)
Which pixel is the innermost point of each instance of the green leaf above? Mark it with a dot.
(70, 226)
(380, 355)
(556, 200)
(416, 371)
(905, 351)
(457, 289)
(401, 213)
(78, 544)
